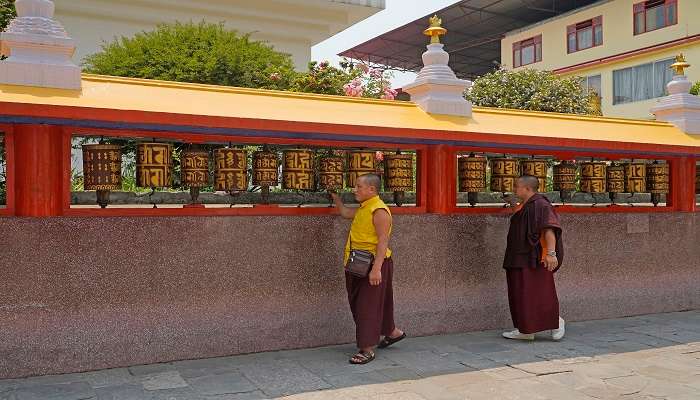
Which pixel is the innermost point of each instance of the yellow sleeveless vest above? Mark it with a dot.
(362, 233)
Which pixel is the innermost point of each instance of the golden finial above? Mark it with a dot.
(435, 30)
(679, 65)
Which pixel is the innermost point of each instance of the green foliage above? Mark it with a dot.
(323, 78)
(695, 89)
(530, 89)
(194, 52)
(7, 12)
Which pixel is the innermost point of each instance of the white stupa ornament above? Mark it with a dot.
(437, 90)
(680, 107)
(39, 50)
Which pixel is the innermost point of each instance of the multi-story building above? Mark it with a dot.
(621, 48)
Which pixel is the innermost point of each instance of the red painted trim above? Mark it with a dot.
(8, 132)
(628, 54)
(682, 186)
(248, 211)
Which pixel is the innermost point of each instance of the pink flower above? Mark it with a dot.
(275, 76)
(364, 68)
(354, 88)
(376, 73)
(389, 94)
(379, 156)
(323, 65)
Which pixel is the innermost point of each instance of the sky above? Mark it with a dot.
(396, 14)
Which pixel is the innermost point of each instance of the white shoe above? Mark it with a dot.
(558, 334)
(515, 334)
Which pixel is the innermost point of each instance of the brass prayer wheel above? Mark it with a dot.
(330, 172)
(538, 169)
(615, 181)
(635, 177)
(657, 178)
(298, 169)
(472, 174)
(360, 163)
(564, 176)
(398, 172)
(154, 164)
(194, 167)
(593, 176)
(230, 169)
(504, 173)
(265, 165)
(102, 170)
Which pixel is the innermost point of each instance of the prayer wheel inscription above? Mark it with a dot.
(593, 177)
(102, 166)
(230, 169)
(360, 163)
(399, 172)
(472, 174)
(657, 178)
(616, 179)
(265, 164)
(538, 169)
(564, 177)
(635, 178)
(504, 173)
(154, 164)
(195, 168)
(331, 171)
(298, 170)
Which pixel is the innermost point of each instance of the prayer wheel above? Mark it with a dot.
(265, 164)
(154, 165)
(194, 169)
(360, 163)
(615, 180)
(298, 169)
(564, 179)
(230, 170)
(472, 176)
(635, 177)
(593, 176)
(657, 181)
(398, 175)
(538, 169)
(330, 173)
(102, 170)
(504, 173)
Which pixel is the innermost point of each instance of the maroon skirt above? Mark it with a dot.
(533, 301)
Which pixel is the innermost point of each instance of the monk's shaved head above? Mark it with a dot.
(529, 181)
(372, 180)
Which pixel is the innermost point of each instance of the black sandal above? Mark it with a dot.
(363, 358)
(387, 341)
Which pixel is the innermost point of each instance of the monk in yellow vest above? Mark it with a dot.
(371, 298)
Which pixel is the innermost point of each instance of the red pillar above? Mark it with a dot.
(682, 191)
(441, 176)
(39, 170)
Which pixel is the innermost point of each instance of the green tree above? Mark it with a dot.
(530, 89)
(695, 89)
(7, 12)
(195, 52)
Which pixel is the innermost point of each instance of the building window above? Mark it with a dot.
(641, 82)
(585, 34)
(592, 86)
(654, 14)
(527, 51)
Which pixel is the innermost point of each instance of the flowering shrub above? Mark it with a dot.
(530, 89)
(695, 89)
(7, 12)
(354, 80)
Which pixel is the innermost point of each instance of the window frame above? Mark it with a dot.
(643, 7)
(633, 67)
(574, 29)
(535, 42)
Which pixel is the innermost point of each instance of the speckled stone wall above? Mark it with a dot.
(90, 293)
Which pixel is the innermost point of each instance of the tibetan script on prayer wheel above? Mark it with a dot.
(154, 164)
(298, 169)
(615, 179)
(538, 169)
(635, 177)
(657, 178)
(593, 177)
(398, 172)
(504, 173)
(360, 163)
(102, 166)
(230, 170)
(472, 174)
(194, 166)
(265, 165)
(330, 173)
(564, 177)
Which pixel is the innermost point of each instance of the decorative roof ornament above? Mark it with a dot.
(679, 65)
(39, 50)
(437, 90)
(680, 107)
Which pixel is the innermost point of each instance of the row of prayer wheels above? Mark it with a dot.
(154, 167)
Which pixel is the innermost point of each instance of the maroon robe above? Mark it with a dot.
(532, 296)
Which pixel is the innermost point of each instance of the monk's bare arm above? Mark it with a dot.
(550, 240)
(382, 225)
(345, 212)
